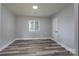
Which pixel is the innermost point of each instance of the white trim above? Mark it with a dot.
(32, 38)
(67, 48)
(7, 45)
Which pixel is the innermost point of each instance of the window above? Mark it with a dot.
(34, 25)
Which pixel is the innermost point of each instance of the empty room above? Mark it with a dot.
(39, 29)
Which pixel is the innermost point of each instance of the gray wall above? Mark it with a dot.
(6, 26)
(22, 27)
(78, 30)
(76, 27)
(65, 27)
(0, 23)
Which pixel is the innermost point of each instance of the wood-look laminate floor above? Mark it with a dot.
(40, 47)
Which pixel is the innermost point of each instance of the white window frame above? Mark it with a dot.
(34, 29)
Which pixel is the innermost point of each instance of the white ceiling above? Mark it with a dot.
(44, 9)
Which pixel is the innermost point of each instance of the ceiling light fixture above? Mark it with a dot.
(35, 7)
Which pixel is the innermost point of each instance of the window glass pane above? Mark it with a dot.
(36, 25)
(32, 25)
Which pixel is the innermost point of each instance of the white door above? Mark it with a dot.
(55, 28)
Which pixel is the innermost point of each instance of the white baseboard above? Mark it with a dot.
(7, 45)
(33, 38)
(67, 48)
